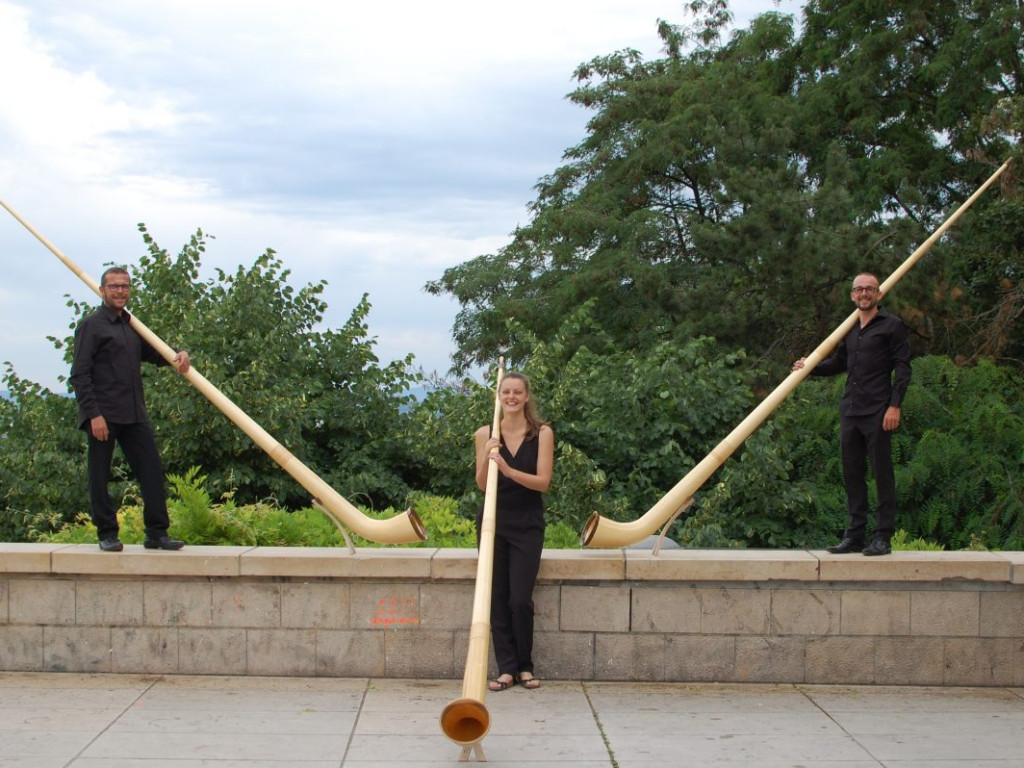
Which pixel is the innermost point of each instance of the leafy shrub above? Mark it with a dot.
(958, 459)
(199, 521)
(42, 455)
(961, 479)
(901, 541)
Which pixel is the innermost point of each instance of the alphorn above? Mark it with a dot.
(465, 720)
(404, 528)
(601, 532)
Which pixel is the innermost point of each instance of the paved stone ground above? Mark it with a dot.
(141, 721)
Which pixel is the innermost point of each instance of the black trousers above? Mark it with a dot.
(518, 543)
(863, 440)
(139, 446)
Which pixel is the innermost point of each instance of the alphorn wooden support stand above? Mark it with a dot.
(337, 524)
(656, 549)
(474, 748)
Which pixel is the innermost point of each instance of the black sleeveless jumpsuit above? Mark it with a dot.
(518, 541)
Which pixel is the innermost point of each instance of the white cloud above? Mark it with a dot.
(69, 120)
(372, 145)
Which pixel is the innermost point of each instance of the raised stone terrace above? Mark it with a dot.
(780, 616)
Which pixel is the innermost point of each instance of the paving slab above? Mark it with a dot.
(53, 745)
(160, 762)
(837, 698)
(71, 720)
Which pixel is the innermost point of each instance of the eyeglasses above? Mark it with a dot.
(117, 287)
(865, 289)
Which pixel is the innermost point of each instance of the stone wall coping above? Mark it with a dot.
(1016, 560)
(135, 560)
(557, 565)
(921, 566)
(409, 563)
(27, 558)
(722, 565)
(582, 565)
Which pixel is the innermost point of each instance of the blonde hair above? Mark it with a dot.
(533, 420)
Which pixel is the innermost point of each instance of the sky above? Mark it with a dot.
(370, 145)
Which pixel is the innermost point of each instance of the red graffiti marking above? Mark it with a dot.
(394, 611)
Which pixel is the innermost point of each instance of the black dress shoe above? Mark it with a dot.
(846, 547)
(164, 542)
(111, 545)
(877, 547)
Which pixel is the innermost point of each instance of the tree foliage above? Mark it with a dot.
(41, 451)
(732, 188)
(729, 191)
(627, 425)
(958, 455)
(320, 393)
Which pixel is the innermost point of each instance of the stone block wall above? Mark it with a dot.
(913, 618)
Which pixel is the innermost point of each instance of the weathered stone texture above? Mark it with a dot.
(788, 617)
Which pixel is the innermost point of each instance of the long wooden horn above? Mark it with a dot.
(601, 532)
(465, 720)
(400, 529)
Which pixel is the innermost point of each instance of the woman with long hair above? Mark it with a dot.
(525, 459)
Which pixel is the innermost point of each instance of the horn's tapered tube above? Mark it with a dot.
(599, 531)
(466, 720)
(400, 529)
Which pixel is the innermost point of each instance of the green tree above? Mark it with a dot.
(441, 439)
(962, 458)
(321, 393)
(958, 458)
(926, 99)
(731, 189)
(42, 451)
(628, 423)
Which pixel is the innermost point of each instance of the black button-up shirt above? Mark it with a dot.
(105, 371)
(877, 361)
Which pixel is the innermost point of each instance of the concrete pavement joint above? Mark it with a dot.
(600, 727)
(355, 722)
(102, 731)
(836, 722)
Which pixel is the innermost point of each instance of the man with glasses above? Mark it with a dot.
(876, 357)
(106, 377)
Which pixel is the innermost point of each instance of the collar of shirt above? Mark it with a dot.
(114, 317)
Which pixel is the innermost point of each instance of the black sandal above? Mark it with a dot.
(501, 685)
(530, 683)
